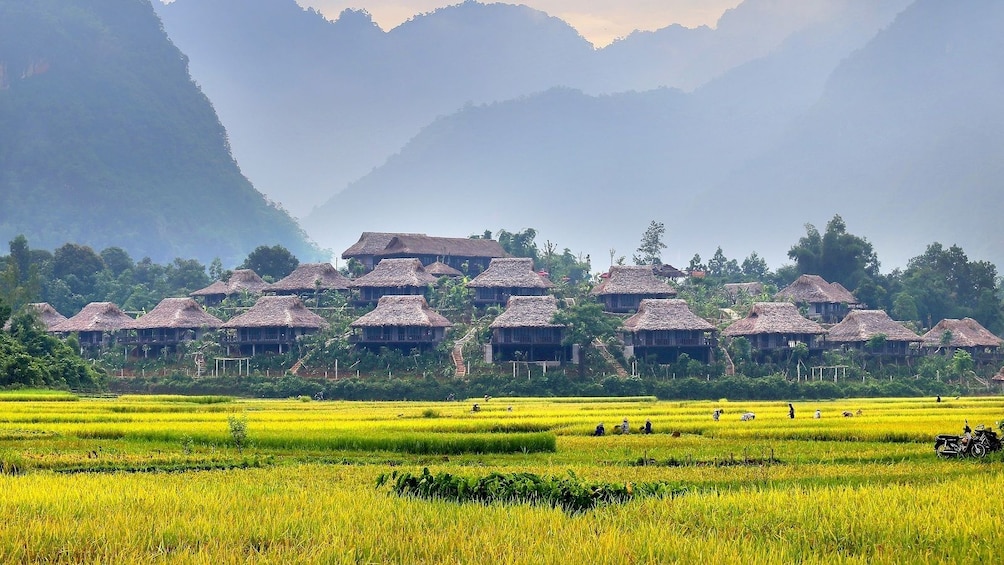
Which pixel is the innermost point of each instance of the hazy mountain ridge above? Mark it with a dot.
(107, 142)
(328, 103)
(906, 139)
(613, 162)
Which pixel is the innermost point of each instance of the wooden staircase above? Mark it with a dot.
(458, 352)
(609, 358)
(730, 367)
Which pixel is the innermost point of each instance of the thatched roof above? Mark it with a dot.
(402, 311)
(999, 376)
(733, 290)
(95, 317)
(183, 313)
(510, 272)
(813, 289)
(966, 332)
(46, 313)
(440, 269)
(277, 311)
(392, 273)
(861, 325)
(215, 289)
(242, 280)
(381, 244)
(528, 312)
(245, 280)
(773, 318)
(625, 279)
(308, 277)
(655, 314)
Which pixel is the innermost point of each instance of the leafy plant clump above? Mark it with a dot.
(238, 431)
(570, 494)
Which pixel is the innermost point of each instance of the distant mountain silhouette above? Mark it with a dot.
(593, 171)
(106, 141)
(905, 142)
(313, 105)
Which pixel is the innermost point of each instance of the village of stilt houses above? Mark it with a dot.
(417, 316)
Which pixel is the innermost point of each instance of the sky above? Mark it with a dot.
(599, 21)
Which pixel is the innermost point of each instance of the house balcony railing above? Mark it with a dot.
(526, 341)
(392, 339)
(673, 342)
(266, 340)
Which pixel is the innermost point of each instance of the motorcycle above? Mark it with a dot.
(969, 444)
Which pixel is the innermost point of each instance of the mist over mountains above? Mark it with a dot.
(901, 137)
(106, 141)
(479, 117)
(312, 105)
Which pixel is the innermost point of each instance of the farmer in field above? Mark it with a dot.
(818, 415)
(791, 411)
(648, 427)
(716, 414)
(600, 430)
(625, 427)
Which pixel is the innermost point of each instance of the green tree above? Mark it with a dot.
(836, 255)
(520, 244)
(904, 308)
(273, 262)
(117, 260)
(946, 284)
(78, 260)
(584, 323)
(19, 280)
(723, 269)
(4, 313)
(186, 275)
(696, 264)
(216, 269)
(962, 363)
(650, 249)
(754, 269)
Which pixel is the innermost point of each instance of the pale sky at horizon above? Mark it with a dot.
(599, 21)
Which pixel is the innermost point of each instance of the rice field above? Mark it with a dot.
(148, 479)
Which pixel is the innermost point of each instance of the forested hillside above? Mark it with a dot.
(105, 140)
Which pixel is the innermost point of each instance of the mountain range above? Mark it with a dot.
(106, 141)
(487, 116)
(900, 134)
(313, 105)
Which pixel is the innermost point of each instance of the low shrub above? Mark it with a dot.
(570, 494)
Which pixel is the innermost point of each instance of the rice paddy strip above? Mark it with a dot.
(160, 479)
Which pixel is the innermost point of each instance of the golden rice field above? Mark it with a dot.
(158, 480)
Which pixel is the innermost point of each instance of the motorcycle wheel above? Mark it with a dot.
(941, 449)
(978, 450)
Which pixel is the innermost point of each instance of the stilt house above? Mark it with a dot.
(272, 325)
(626, 286)
(393, 277)
(665, 329)
(402, 322)
(525, 331)
(511, 276)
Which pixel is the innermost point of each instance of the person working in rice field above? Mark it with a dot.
(791, 411)
(625, 428)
